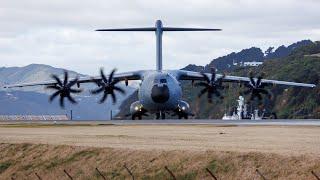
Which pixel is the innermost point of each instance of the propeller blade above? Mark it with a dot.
(61, 101)
(105, 95)
(57, 79)
(213, 74)
(259, 80)
(251, 78)
(252, 97)
(201, 84)
(209, 97)
(253, 83)
(206, 78)
(266, 92)
(54, 95)
(202, 92)
(113, 82)
(97, 91)
(111, 75)
(218, 94)
(223, 76)
(71, 99)
(247, 85)
(107, 86)
(75, 91)
(114, 99)
(259, 96)
(73, 82)
(122, 91)
(220, 87)
(53, 87)
(103, 76)
(66, 76)
(97, 82)
(64, 89)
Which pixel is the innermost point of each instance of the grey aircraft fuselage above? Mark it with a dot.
(160, 91)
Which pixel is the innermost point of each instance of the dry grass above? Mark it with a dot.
(230, 152)
(23, 160)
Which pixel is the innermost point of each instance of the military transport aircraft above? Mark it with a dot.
(160, 90)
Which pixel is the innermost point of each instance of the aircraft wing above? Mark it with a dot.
(190, 75)
(134, 75)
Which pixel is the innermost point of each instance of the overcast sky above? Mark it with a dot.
(61, 32)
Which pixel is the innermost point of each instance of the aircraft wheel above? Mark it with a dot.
(163, 115)
(158, 115)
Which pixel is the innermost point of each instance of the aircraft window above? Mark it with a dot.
(163, 81)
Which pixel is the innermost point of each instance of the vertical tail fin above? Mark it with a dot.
(158, 31)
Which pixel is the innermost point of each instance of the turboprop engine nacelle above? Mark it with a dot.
(135, 107)
(137, 110)
(183, 110)
(184, 106)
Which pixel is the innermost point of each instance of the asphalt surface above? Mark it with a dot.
(277, 122)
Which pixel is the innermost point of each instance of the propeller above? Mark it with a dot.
(107, 86)
(64, 89)
(256, 88)
(211, 86)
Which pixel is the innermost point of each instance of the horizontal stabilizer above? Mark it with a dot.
(162, 29)
(129, 29)
(188, 29)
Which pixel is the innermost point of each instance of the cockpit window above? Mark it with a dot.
(163, 81)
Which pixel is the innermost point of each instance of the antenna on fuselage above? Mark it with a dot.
(158, 29)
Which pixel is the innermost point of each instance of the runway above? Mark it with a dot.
(278, 122)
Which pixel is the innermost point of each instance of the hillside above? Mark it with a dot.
(287, 102)
(31, 73)
(301, 65)
(33, 103)
(34, 100)
(225, 63)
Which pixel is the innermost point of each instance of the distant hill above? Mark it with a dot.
(34, 100)
(288, 102)
(284, 51)
(225, 63)
(246, 55)
(31, 73)
(32, 103)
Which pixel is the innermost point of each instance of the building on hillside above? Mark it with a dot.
(253, 63)
(245, 64)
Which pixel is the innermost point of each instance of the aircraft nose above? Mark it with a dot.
(160, 94)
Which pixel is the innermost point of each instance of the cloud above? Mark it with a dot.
(61, 33)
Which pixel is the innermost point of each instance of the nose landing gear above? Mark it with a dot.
(161, 115)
